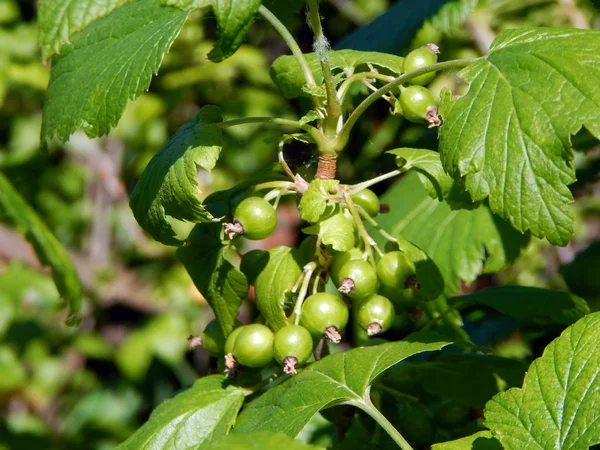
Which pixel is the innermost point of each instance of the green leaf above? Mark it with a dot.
(478, 441)
(315, 200)
(192, 419)
(581, 273)
(108, 63)
(529, 304)
(223, 286)
(452, 15)
(393, 31)
(341, 378)
(335, 230)
(47, 248)
(60, 19)
(168, 186)
(274, 283)
(557, 407)
(234, 18)
(509, 136)
(429, 167)
(288, 77)
(463, 243)
(260, 441)
(470, 379)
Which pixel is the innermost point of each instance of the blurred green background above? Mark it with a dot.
(90, 387)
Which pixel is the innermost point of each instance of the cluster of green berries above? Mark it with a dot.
(416, 102)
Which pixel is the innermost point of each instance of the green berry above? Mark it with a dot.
(376, 314)
(358, 279)
(252, 346)
(257, 217)
(292, 345)
(416, 102)
(367, 200)
(321, 312)
(213, 339)
(338, 261)
(394, 269)
(417, 59)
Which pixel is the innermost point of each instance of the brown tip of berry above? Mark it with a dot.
(346, 286)
(434, 48)
(231, 366)
(195, 341)
(332, 335)
(233, 229)
(384, 208)
(374, 328)
(413, 283)
(289, 365)
(432, 118)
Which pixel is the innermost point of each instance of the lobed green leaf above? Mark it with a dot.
(340, 378)
(509, 136)
(315, 200)
(192, 419)
(48, 249)
(528, 304)
(482, 440)
(168, 185)
(557, 407)
(108, 63)
(452, 15)
(287, 74)
(335, 230)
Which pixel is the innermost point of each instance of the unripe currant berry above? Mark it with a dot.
(213, 339)
(339, 259)
(292, 345)
(251, 346)
(358, 279)
(367, 200)
(416, 103)
(376, 314)
(394, 270)
(419, 58)
(324, 313)
(254, 218)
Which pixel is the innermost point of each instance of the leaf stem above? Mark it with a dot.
(362, 107)
(356, 188)
(378, 227)
(360, 77)
(367, 406)
(369, 242)
(291, 43)
(308, 270)
(321, 47)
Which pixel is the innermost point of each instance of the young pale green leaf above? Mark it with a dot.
(223, 286)
(557, 407)
(393, 31)
(529, 304)
(482, 440)
(429, 167)
(335, 230)
(341, 378)
(275, 282)
(168, 186)
(108, 63)
(509, 136)
(452, 15)
(470, 378)
(288, 77)
(48, 249)
(315, 200)
(463, 243)
(192, 419)
(234, 18)
(260, 441)
(60, 19)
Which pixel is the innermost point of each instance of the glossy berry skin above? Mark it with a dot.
(321, 311)
(417, 59)
(367, 200)
(416, 101)
(339, 259)
(393, 269)
(292, 340)
(252, 346)
(213, 340)
(257, 217)
(376, 310)
(231, 339)
(363, 276)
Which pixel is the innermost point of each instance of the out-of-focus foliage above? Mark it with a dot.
(92, 387)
